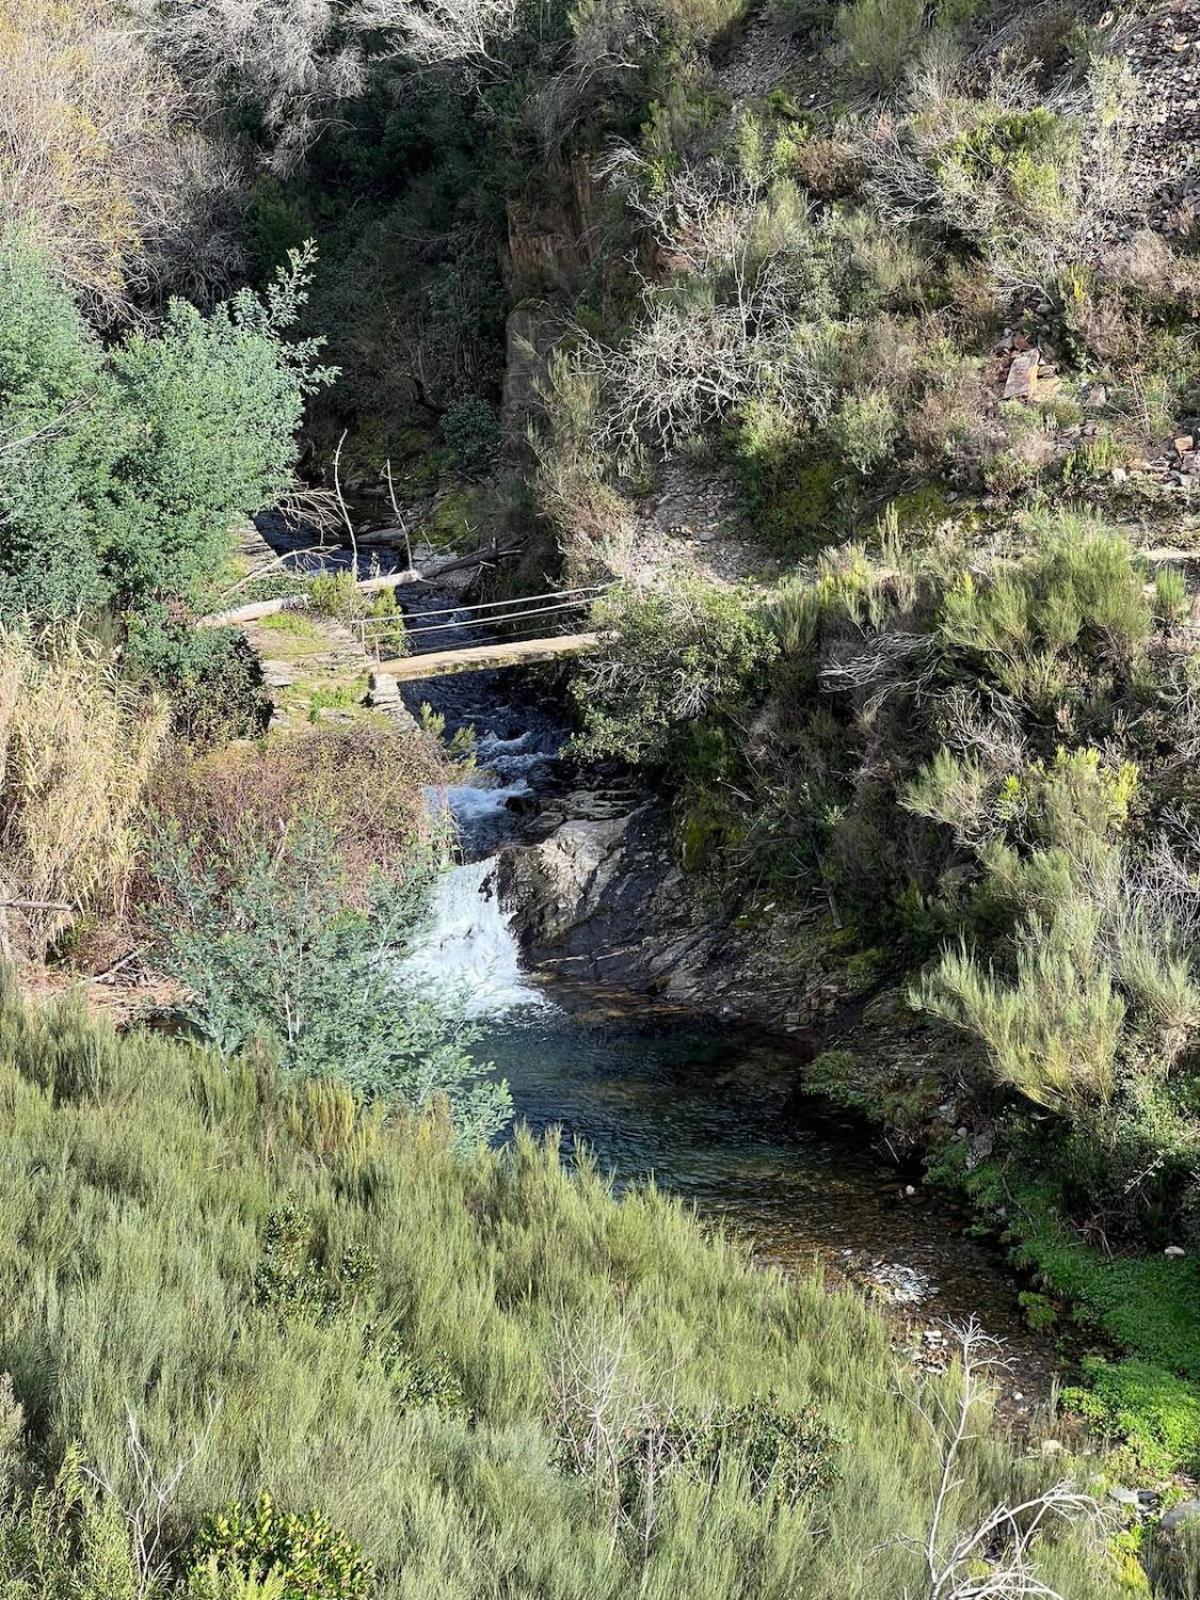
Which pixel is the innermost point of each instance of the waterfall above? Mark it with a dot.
(469, 947)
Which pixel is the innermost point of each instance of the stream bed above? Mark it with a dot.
(712, 1113)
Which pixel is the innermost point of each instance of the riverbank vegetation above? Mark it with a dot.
(851, 349)
(951, 390)
(489, 1376)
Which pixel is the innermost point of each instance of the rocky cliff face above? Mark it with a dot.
(601, 899)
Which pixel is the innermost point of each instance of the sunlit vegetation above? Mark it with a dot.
(486, 1374)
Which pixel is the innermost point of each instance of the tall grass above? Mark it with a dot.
(138, 1178)
(76, 749)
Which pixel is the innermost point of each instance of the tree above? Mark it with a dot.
(123, 472)
(100, 156)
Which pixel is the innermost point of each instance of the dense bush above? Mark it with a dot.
(77, 747)
(270, 940)
(309, 1559)
(673, 655)
(471, 433)
(366, 785)
(177, 1162)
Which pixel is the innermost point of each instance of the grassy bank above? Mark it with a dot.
(463, 1363)
(1134, 1313)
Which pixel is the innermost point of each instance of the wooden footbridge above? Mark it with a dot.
(448, 639)
(523, 631)
(487, 657)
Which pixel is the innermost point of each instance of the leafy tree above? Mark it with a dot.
(123, 472)
(56, 442)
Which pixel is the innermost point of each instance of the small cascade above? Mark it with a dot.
(469, 948)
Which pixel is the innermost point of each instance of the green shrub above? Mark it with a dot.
(867, 427)
(333, 594)
(313, 1560)
(267, 939)
(1171, 599)
(880, 36)
(214, 674)
(1041, 1314)
(66, 1539)
(471, 433)
(672, 655)
(387, 635)
(126, 469)
(1154, 1412)
(291, 1281)
(1081, 590)
(144, 1195)
(1053, 1032)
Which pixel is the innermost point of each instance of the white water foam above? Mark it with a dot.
(470, 805)
(469, 948)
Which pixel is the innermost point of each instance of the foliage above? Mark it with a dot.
(471, 433)
(674, 654)
(312, 1560)
(1053, 1032)
(1154, 1412)
(103, 163)
(1082, 590)
(786, 1453)
(265, 937)
(333, 594)
(880, 36)
(77, 746)
(177, 1160)
(367, 787)
(124, 470)
(66, 1539)
(215, 677)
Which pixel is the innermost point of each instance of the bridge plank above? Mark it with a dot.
(481, 657)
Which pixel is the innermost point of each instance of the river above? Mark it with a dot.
(710, 1112)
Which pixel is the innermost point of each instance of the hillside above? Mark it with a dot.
(831, 373)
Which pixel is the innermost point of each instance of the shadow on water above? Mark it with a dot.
(714, 1117)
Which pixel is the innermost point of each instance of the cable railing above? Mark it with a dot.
(487, 613)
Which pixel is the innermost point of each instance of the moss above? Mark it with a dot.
(1149, 1305)
(1156, 1414)
(793, 491)
(803, 514)
(865, 968)
(703, 833)
(453, 521)
(922, 508)
(1041, 1314)
(839, 1075)
(294, 622)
